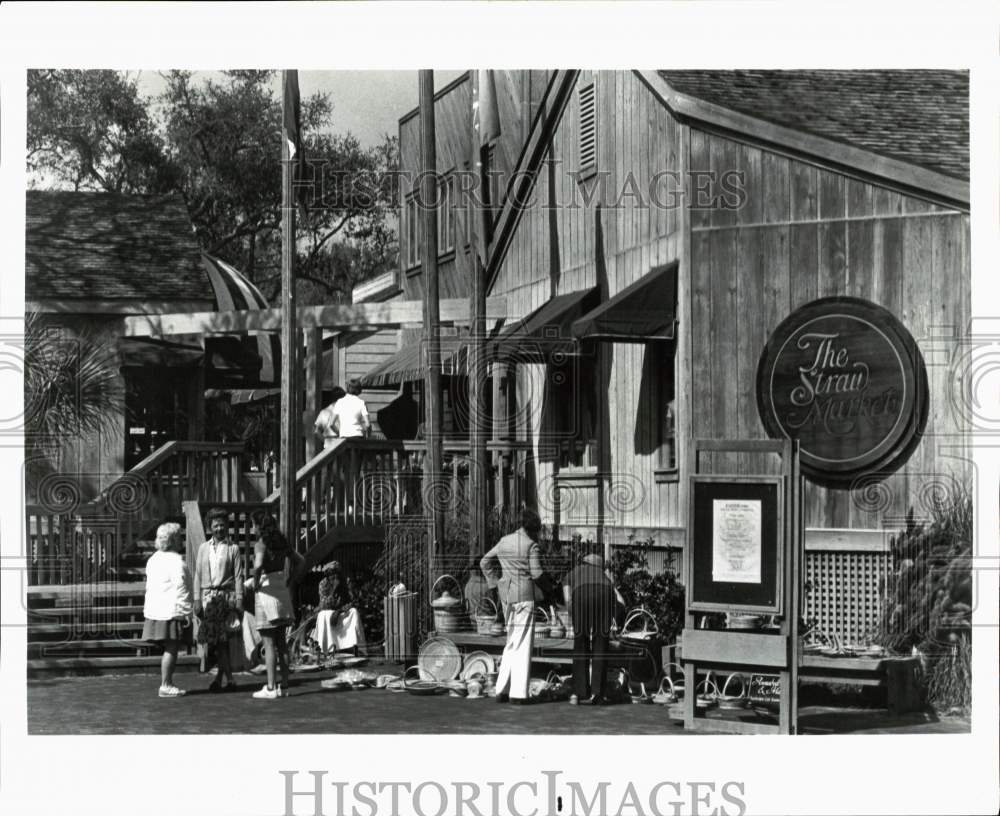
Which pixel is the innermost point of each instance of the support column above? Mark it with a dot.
(314, 389)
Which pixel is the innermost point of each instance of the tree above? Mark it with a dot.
(217, 143)
(90, 130)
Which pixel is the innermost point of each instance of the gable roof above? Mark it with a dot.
(111, 247)
(916, 116)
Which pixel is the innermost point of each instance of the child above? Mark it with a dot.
(167, 608)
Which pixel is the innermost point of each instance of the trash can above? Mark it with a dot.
(400, 615)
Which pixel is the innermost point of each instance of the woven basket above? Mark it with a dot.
(447, 619)
(485, 621)
(734, 701)
(649, 630)
(709, 698)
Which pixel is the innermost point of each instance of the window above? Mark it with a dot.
(587, 96)
(575, 411)
(411, 228)
(446, 213)
(666, 410)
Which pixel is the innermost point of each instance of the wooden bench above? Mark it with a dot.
(901, 677)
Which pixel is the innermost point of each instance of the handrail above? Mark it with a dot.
(162, 454)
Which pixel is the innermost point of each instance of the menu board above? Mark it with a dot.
(736, 541)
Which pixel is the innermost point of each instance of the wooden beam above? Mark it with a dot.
(434, 469)
(122, 307)
(314, 389)
(359, 317)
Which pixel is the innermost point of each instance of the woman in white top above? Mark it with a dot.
(167, 607)
(350, 414)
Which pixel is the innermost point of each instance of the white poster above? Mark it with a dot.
(736, 542)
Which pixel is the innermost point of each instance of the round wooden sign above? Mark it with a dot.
(844, 377)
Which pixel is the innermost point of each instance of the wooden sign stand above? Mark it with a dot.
(776, 591)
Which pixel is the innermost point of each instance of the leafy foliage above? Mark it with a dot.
(929, 599)
(217, 143)
(71, 387)
(661, 594)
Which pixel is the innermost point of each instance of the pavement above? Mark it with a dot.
(128, 704)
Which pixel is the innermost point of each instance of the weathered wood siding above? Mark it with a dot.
(805, 232)
(592, 235)
(361, 354)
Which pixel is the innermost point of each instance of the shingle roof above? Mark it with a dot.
(108, 246)
(920, 117)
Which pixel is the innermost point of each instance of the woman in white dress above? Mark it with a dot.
(338, 622)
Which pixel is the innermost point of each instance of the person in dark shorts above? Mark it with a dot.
(167, 606)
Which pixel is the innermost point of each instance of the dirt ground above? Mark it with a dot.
(128, 704)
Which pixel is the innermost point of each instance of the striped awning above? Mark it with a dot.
(233, 291)
(406, 365)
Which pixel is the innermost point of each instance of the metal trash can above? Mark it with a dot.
(400, 616)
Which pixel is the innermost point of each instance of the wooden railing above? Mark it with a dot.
(179, 471)
(367, 483)
(65, 548)
(70, 543)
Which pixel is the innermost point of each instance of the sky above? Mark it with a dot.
(368, 104)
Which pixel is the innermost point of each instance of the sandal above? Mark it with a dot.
(229, 687)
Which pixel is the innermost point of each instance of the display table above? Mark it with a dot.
(546, 649)
(900, 676)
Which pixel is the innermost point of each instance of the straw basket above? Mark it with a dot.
(543, 622)
(734, 701)
(709, 698)
(447, 608)
(484, 621)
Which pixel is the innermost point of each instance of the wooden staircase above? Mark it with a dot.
(87, 566)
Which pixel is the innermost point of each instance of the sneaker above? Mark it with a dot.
(267, 694)
(171, 691)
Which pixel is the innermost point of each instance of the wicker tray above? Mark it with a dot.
(439, 659)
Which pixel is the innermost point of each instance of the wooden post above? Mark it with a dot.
(288, 507)
(432, 347)
(478, 463)
(314, 389)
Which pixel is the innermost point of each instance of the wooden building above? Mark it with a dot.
(92, 261)
(721, 201)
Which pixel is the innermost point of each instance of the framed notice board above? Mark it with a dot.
(736, 544)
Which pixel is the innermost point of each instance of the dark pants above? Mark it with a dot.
(593, 605)
(589, 651)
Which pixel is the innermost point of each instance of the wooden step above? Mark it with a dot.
(70, 648)
(91, 626)
(86, 611)
(74, 592)
(90, 665)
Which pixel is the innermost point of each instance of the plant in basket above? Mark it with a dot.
(661, 594)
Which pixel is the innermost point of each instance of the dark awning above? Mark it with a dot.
(145, 351)
(406, 364)
(644, 311)
(544, 332)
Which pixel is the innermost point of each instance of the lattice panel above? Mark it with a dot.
(845, 591)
